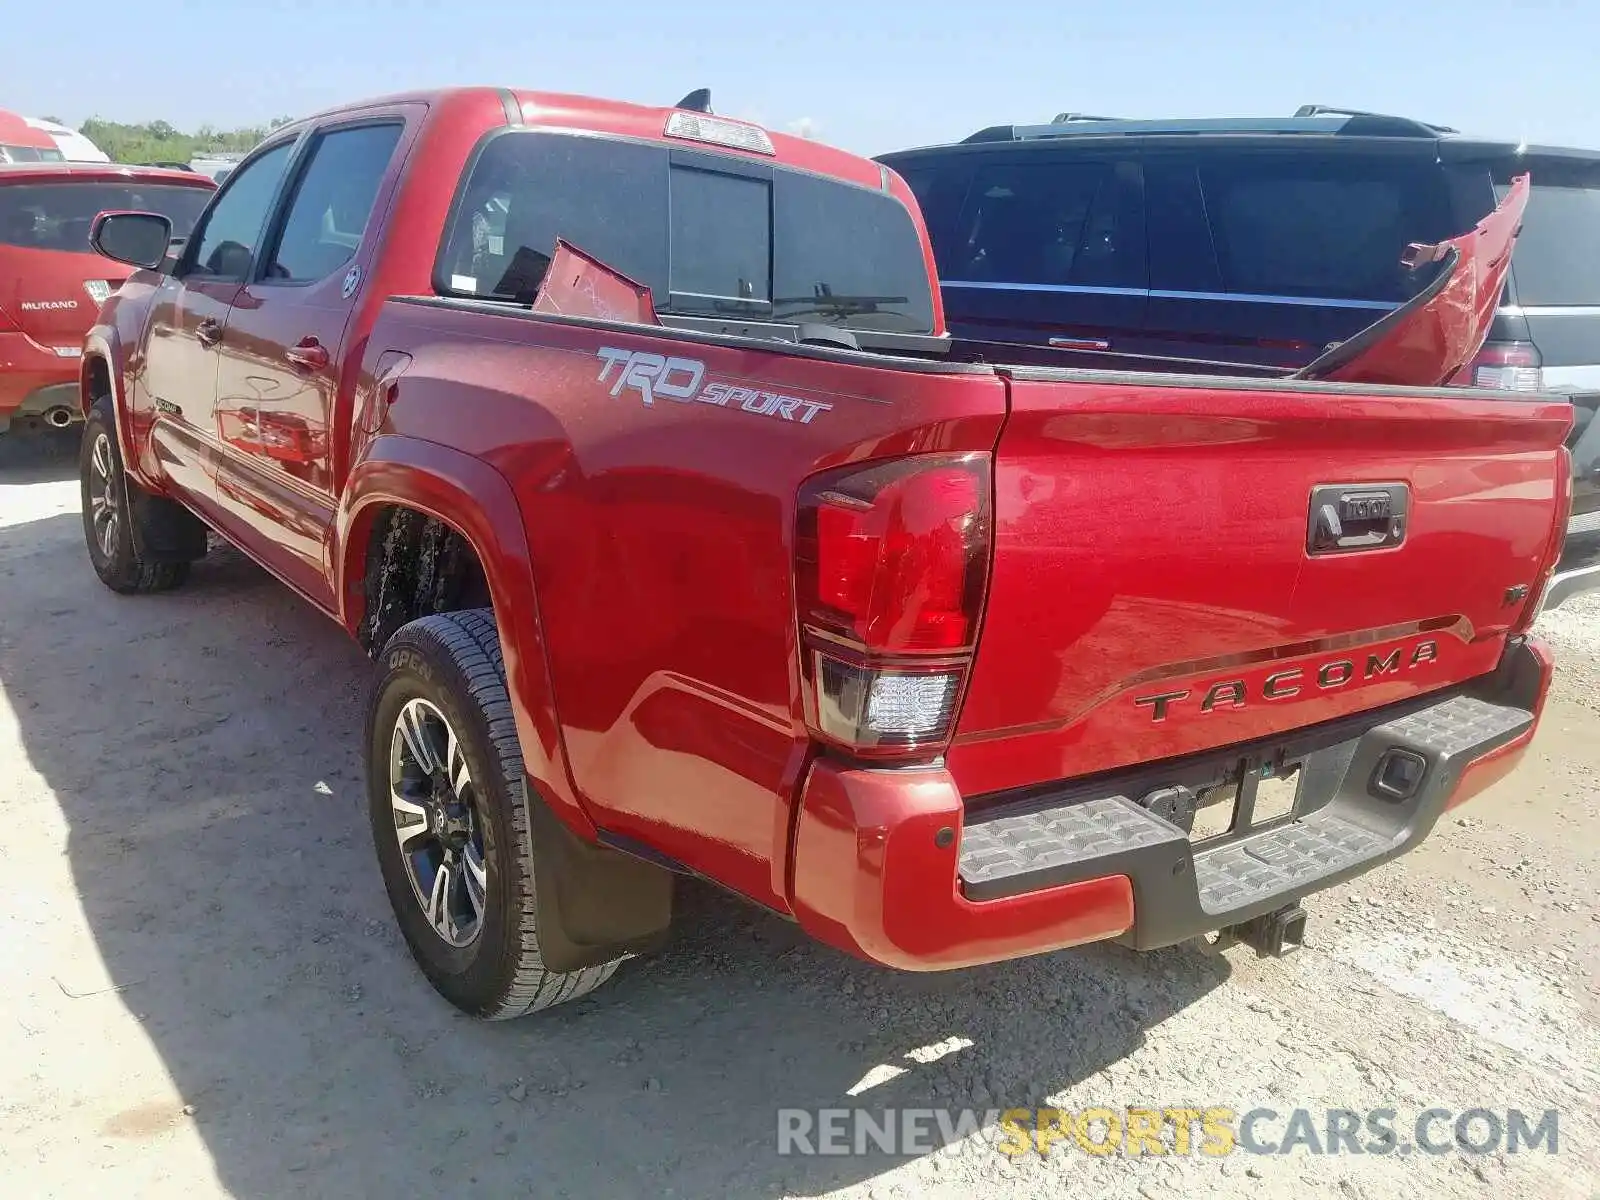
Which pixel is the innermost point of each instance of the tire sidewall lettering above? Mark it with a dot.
(406, 659)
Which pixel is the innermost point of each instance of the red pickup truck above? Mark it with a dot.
(629, 442)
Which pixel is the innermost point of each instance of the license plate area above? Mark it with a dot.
(1260, 791)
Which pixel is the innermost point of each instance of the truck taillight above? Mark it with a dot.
(891, 562)
(872, 709)
(1504, 366)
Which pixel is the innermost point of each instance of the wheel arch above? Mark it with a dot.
(96, 378)
(471, 498)
(101, 366)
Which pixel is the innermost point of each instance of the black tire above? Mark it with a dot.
(108, 514)
(451, 663)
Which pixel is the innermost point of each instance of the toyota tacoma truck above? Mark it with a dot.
(630, 444)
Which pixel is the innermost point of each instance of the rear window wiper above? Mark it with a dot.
(844, 306)
(825, 300)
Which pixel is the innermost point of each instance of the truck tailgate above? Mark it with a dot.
(1180, 566)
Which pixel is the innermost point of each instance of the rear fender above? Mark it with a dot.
(477, 502)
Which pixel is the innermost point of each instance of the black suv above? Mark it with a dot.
(1251, 245)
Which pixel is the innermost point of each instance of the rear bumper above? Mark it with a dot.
(33, 378)
(887, 866)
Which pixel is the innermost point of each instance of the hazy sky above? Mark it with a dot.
(867, 76)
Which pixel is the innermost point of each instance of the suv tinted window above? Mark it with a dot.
(58, 216)
(227, 243)
(921, 180)
(1038, 222)
(1557, 259)
(332, 202)
(1331, 227)
(1181, 255)
(705, 237)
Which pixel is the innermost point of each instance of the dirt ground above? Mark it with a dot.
(202, 992)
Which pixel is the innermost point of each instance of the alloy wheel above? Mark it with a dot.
(437, 822)
(105, 509)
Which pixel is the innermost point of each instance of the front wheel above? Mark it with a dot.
(449, 821)
(108, 515)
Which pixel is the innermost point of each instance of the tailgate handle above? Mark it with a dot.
(1350, 517)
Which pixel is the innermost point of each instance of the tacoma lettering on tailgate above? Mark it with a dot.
(1293, 681)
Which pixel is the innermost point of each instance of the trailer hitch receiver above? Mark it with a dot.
(1271, 935)
(1274, 934)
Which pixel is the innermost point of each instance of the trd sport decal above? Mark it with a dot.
(680, 379)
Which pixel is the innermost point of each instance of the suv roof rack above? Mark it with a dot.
(1330, 110)
(1308, 119)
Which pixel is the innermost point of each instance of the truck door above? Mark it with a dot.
(283, 358)
(187, 319)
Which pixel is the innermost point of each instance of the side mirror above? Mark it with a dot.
(138, 239)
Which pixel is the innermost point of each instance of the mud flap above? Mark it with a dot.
(593, 904)
(163, 530)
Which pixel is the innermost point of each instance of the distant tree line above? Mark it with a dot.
(158, 141)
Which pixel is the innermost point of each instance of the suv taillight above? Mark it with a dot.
(891, 560)
(1505, 366)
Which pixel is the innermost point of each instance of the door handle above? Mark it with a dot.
(308, 355)
(209, 331)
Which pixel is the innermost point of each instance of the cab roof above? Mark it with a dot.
(560, 110)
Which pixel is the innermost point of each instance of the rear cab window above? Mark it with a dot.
(58, 216)
(711, 235)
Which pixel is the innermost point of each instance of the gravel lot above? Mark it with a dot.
(204, 994)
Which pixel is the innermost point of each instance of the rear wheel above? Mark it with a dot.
(109, 517)
(450, 822)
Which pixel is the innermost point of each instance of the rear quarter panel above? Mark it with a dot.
(660, 542)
